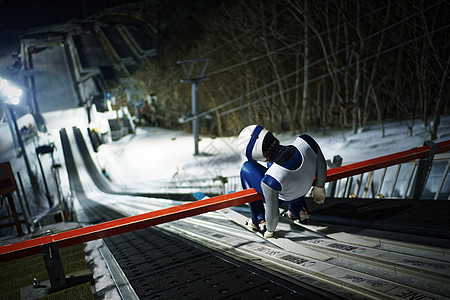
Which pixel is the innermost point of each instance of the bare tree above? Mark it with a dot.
(297, 65)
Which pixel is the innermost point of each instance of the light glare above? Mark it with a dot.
(14, 100)
(3, 84)
(11, 93)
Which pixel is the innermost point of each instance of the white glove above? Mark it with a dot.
(319, 194)
(268, 234)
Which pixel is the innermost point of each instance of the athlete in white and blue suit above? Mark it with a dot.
(288, 178)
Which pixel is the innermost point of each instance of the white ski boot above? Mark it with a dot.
(303, 216)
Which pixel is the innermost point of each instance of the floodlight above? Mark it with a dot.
(10, 92)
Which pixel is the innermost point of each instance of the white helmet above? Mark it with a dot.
(250, 142)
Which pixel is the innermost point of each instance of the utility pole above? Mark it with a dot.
(22, 148)
(197, 66)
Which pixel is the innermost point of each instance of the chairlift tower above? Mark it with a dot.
(191, 68)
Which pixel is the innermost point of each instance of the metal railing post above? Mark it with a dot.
(411, 174)
(368, 185)
(381, 182)
(54, 266)
(441, 184)
(358, 184)
(395, 180)
(337, 162)
(423, 169)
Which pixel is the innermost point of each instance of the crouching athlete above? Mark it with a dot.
(288, 178)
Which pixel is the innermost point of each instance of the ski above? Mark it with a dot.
(328, 232)
(281, 242)
(321, 229)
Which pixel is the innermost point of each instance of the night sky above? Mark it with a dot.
(25, 14)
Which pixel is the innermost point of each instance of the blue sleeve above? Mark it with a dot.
(271, 182)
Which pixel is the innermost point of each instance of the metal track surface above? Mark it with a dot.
(210, 256)
(163, 266)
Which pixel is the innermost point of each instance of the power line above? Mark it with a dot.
(293, 44)
(317, 35)
(333, 72)
(217, 48)
(240, 98)
(245, 33)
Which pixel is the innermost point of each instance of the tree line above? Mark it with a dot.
(300, 65)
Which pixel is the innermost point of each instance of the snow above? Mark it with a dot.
(157, 154)
(163, 155)
(104, 284)
(55, 120)
(154, 156)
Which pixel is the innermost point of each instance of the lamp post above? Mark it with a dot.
(10, 96)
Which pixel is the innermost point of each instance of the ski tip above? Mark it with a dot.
(199, 195)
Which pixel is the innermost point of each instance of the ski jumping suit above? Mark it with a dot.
(286, 181)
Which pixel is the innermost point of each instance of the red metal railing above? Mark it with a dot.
(384, 161)
(132, 223)
(93, 232)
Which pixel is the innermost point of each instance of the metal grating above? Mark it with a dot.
(160, 266)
